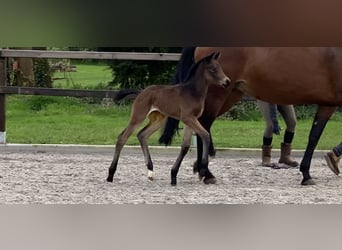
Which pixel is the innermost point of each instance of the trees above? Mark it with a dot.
(30, 72)
(23, 71)
(139, 74)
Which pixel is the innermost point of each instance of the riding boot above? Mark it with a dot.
(266, 155)
(285, 155)
(333, 162)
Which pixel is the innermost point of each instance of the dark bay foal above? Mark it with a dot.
(181, 101)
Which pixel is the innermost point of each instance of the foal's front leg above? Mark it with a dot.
(203, 169)
(209, 178)
(206, 122)
(184, 150)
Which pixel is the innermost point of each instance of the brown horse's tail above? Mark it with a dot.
(126, 93)
(181, 75)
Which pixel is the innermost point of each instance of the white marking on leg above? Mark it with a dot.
(2, 137)
(150, 175)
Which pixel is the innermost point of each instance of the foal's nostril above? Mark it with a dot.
(227, 82)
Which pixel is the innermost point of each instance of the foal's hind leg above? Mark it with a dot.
(156, 121)
(122, 139)
(136, 119)
(184, 150)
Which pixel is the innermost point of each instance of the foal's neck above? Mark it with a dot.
(199, 83)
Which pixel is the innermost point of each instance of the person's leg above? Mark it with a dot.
(289, 115)
(268, 133)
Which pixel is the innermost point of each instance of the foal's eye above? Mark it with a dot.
(213, 70)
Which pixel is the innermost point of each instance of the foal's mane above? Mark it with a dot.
(194, 67)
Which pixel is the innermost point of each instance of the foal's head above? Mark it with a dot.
(213, 72)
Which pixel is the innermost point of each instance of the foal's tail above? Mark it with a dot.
(181, 75)
(121, 94)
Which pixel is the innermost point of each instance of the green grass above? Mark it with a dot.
(87, 76)
(239, 134)
(55, 120)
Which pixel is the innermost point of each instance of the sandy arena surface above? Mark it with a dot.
(76, 175)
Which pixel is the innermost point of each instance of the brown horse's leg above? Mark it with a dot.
(184, 150)
(322, 116)
(156, 121)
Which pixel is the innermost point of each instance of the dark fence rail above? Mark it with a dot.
(2, 102)
(58, 92)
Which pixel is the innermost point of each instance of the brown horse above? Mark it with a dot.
(281, 75)
(184, 102)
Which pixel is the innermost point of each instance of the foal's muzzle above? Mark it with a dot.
(226, 82)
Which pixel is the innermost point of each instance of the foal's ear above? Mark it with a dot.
(212, 56)
(217, 55)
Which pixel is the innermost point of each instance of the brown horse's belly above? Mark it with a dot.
(286, 75)
(285, 96)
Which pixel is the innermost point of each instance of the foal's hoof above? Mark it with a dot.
(150, 175)
(308, 182)
(173, 180)
(110, 178)
(209, 180)
(195, 167)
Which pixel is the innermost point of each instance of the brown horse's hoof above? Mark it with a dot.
(308, 182)
(110, 178)
(209, 180)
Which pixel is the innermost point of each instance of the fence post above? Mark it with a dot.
(2, 101)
